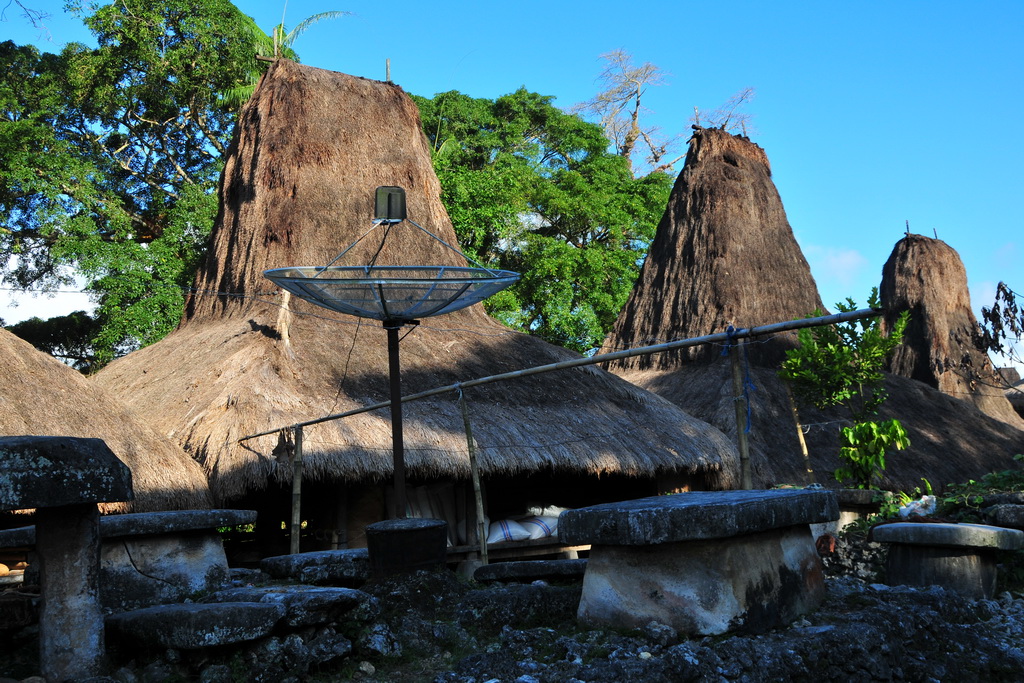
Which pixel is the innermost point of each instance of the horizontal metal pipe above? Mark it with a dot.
(602, 358)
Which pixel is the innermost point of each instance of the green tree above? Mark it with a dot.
(65, 337)
(533, 189)
(841, 366)
(109, 158)
(275, 45)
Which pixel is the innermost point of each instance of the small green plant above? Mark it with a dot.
(967, 498)
(841, 366)
(863, 447)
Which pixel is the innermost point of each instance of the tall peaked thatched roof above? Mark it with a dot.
(41, 396)
(927, 277)
(724, 254)
(298, 184)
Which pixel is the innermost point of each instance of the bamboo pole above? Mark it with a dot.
(603, 358)
(481, 525)
(746, 479)
(799, 433)
(296, 527)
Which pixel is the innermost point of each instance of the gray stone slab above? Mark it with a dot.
(304, 605)
(53, 471)
(143, 524)
(172, 521)
(1009, 515)
(21, 537)
(194, 626)
(695, 515)
(949, 535)
(326, 567)
(531, 570)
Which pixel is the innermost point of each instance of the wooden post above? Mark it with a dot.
(481, 526)
(296, 526)
(746, 480)
(799, 433)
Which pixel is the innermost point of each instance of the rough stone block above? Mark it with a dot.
(752, 582)
(194, 626)
(349, 567)
(1010, 515)
(532, 570)
(694, 516)
(304, 605)
(52, 471)
(152, 570)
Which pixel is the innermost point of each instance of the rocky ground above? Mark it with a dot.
(435, 627)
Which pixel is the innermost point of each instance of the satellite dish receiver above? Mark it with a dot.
(389, 206)
(395, 295)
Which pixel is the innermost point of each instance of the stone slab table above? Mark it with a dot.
(960, 557)
(703, 562)
(153, 558)
(64, 478)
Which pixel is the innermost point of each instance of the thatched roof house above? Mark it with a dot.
(724, 254)
(41, 396)
(927, 277)
(298, 186)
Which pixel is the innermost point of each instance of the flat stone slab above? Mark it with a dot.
(532, 570)
(304, 605)
(697, 515)
(949, 535)
(144, 524)
(194, 626)
(54, 471)
(326, 567)
(172, 521)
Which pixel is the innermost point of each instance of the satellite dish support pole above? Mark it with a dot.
(397, 439)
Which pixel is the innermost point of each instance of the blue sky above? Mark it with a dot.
(872, 113)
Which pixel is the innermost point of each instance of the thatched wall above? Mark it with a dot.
(298, 185)
(724, 254)
(927, 277)
(41, 396)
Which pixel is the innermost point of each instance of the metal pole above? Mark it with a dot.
(606, 357)
(397, 441)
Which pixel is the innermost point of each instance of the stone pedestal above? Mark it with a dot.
(960, 557)
(748, 583)
(64, 478)
(70, 620)
(703, 562)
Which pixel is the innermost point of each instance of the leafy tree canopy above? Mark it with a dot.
(109, 158)
(841, 365)
(65, 337)
(533, 189)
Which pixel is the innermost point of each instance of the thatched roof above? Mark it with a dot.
(927, 277)
(950, 441)
(41, 396)
(724, 254)
(310, 149)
